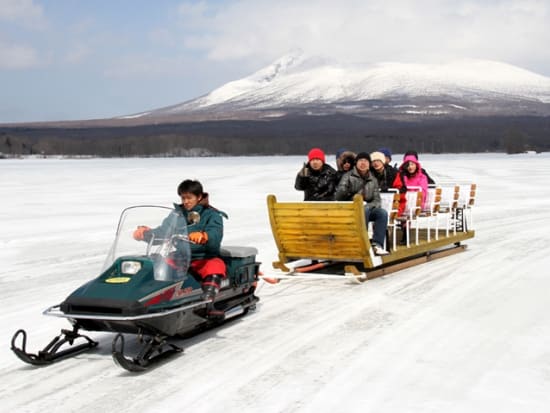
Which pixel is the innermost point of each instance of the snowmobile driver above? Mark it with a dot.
(206, 225)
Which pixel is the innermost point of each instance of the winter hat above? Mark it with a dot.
(411, 153)
(362, 155)
(316, 153)
(386, 152)
(339, 152)
(378, 156)
(410, 158)
(349, 159)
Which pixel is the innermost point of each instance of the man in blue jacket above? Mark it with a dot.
(205, 236)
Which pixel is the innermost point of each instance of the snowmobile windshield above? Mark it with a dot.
(164, 240)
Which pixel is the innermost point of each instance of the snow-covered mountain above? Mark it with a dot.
(314, 85)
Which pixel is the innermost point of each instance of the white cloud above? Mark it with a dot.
(514, 31)
(194, 10)
(22, 12)
(13, 57)
(139, 66)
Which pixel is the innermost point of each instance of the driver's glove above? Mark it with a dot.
(139, 233)
(198, 237)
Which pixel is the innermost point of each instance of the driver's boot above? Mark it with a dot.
(210, 288)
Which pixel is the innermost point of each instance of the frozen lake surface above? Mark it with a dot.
(467, 333)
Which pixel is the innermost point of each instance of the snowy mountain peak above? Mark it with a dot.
(278, 68)
(300, 82)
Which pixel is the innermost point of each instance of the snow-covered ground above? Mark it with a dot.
(467, 333)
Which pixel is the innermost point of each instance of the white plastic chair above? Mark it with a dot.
(466, 201)
(412, 210)
(390, 202)
(431, 210)
(450, 194)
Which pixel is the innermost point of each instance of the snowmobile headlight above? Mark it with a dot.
(130, 267)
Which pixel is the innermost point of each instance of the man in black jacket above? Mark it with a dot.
(317, 179)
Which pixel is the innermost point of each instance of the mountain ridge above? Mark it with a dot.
(315, 85)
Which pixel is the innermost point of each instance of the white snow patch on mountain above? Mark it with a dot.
(137, 115)
(297, 80)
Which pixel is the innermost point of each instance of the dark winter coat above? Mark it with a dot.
(317, 185)
(386, 179)
(353, 183)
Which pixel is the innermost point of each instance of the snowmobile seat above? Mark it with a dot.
(240, 263)
(238, 252)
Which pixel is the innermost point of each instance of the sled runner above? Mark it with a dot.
(335, 233)
(146, 290)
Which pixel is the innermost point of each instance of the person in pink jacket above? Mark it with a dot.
(412, 176)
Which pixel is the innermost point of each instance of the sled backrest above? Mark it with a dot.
(467, 195)
(450, 194)
(414, 196)
(390, 202)
(433, 201)
(320, 230)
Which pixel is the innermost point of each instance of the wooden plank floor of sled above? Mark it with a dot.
(336, 231)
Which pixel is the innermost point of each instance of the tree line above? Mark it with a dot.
(287, 136)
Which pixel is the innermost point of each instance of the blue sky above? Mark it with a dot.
(79, 59)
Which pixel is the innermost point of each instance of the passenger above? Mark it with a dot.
(360, 181)
(339, 153)
(205, 224)
(387, 153)
(415, 154)
(412, 176)
(316, 178)
(387, 176)
(344, 163)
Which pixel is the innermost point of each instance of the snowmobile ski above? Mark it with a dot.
(51, 352)
(153, 350)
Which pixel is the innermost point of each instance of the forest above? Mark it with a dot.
(284, 136)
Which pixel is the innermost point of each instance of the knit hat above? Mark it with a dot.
(362, 155)
(386, 152)
(339, 152)
(378, 156)
(316, 153)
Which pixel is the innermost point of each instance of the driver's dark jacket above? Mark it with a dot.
(211, 222)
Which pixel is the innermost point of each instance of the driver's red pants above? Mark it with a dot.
(208, 266)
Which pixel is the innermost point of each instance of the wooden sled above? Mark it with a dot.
(336, 232)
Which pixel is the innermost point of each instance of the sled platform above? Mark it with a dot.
(337, 232)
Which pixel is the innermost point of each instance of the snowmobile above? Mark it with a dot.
(145, 289)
